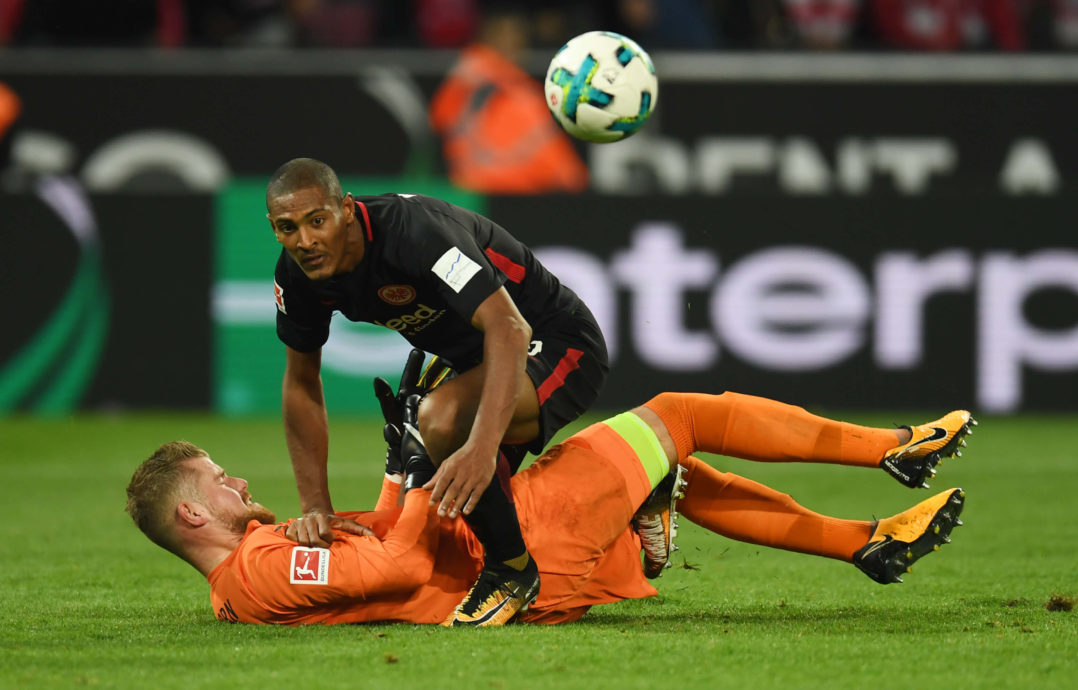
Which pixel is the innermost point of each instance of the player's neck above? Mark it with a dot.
(355, 250)
(207, 554)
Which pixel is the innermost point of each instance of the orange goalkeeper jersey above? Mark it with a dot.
(575, 504)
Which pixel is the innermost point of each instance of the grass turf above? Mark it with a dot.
(88, 601)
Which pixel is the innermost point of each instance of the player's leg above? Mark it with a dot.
(563, 374)
(445, 419)
(755, 428)
(509, 573)
(576, 502)
(655, 522)
(446, 414)
(748, 511)
(733, 506)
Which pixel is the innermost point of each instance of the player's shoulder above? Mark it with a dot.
(415, 218)
(397, 202)
(395, 213)
(286, 269)
(405, 203)
(261, 540)
(258, 542)
(258, 534)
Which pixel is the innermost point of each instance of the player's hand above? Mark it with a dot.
(344, 524)
(311, 524)
(312, 529)
(461, 479)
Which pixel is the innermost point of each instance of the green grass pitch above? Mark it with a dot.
(88, 601)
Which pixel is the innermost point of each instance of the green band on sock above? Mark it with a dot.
(644, 442)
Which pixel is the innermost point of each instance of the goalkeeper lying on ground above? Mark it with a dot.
(577, 504)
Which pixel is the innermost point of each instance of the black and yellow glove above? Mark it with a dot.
(416, 380)
(418, 466)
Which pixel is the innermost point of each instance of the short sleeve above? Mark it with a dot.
(444, 242)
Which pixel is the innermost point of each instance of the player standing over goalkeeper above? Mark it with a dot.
(530, 354)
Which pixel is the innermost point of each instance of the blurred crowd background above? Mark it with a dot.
(836, 231)
(734, 25)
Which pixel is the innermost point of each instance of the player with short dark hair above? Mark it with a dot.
(576, 504)
(530, 355)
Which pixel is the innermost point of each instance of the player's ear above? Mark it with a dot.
(273, 227)
(192, 513)
(348, 206)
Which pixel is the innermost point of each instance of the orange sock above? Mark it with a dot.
(745, 510)
(745, 426)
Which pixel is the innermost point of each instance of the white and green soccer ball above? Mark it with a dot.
(601, 86)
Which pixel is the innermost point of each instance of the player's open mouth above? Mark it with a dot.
(314, 261)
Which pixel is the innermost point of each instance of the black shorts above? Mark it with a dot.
(568, 366)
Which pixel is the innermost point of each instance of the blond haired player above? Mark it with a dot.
(576, 503)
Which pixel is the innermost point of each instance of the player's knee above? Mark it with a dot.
(440, 420)
(664, 400)
(669, 404)
(671, 400)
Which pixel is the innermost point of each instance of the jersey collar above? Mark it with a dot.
(366, 220)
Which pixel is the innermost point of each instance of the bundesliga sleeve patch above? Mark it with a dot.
(278, 297)
(455, 269)
(310, 566)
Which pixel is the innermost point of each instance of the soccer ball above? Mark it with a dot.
(601, 86)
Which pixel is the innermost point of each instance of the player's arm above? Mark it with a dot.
(365, 568)
(401, 562)
(465, 474)
(306, 428)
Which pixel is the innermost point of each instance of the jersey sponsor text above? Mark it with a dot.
(410, 324)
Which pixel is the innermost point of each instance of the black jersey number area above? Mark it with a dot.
(427, 267)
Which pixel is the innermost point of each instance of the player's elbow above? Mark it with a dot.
(517, 331)
(510, 336)
(416, 572)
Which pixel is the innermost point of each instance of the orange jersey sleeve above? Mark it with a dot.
(391, 488)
